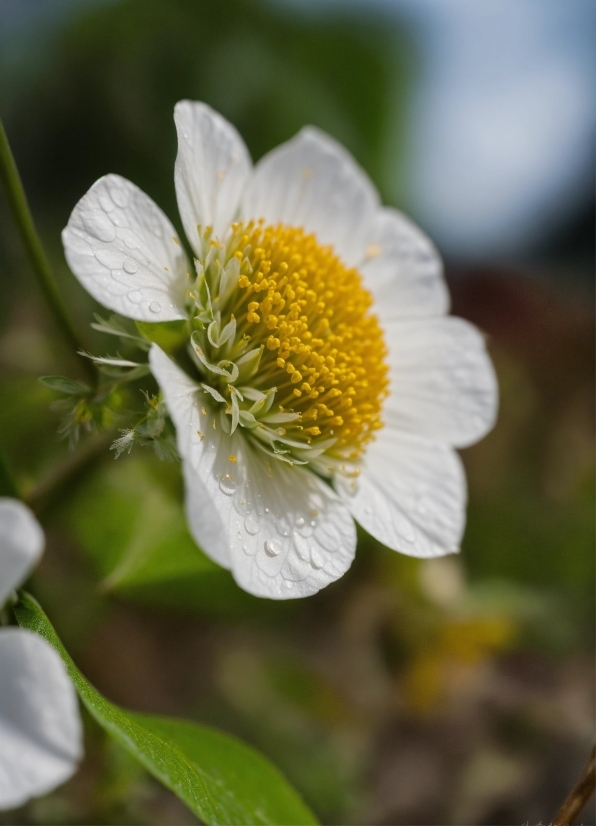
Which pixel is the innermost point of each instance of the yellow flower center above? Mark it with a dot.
(321, 347)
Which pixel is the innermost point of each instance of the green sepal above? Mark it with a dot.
(170, 335)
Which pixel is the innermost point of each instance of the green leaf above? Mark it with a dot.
(130, 522)
(170, 335)
(62, 384)
(220, 779)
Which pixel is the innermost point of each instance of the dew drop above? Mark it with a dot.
(99, 226)
(130, 266)
(105, 201)
(283, 526)
(301, 545)
(112, 259)
(119, 196)
(129, 238)
(288, 584)
(227, 484)
(272, 546)
(155, 307)
(248, 550)
(316, 559)
(135, 296)
(303, 528)
(251, 524)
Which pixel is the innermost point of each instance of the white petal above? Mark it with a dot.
(212, 168)
(288, 533)
(21, 544)
(121, 247)
(313, 182)
(204, 521)
(410, 495)
(403, 270)
(198, 443)
(40, 726)
(443, 384)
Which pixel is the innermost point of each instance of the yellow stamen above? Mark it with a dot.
(325, 334)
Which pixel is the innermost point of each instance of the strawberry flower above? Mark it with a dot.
(323, 381)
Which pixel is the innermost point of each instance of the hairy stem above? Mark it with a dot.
(579, 794)
(22, 216)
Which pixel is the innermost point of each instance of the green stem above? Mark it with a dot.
(24, 221)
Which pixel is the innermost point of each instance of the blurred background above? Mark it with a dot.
(454, 691)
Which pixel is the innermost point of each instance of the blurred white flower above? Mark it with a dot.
(40, 727)
(321, 348)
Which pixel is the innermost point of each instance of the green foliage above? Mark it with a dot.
(130, 522)
(154, 429)
(221, 780)
(62, 384)
(170, 335)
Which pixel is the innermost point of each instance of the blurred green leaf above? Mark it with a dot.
(62, 384)
(170, 335)
(130, 521)
(220, 779)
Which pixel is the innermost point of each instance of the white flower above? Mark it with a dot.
(40, 727)
(323, 381)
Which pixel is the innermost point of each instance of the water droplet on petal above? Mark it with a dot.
(155, 307)
(301, 545)
(119, 196)
(227, 484)
(130, 266)
(303, 528)
(99, 226)
(316, 558)
(135, 296)
(272, 546)
(249, 549)
(283, 526)
(251, 524)
(288, 584)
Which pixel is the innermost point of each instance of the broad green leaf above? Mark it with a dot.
(220, 779)
(168, 334)
(130, 521)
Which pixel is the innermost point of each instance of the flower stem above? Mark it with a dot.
(579, 794)
(19, 207)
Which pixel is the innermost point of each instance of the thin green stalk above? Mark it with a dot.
(43, 272)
